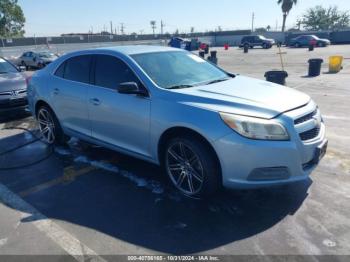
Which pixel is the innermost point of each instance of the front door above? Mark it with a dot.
(118, 119)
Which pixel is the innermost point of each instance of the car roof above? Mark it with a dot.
(138, 49)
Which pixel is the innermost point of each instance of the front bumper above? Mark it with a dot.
(247, 163)
(13, 105)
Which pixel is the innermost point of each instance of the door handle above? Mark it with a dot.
(56, 91)
(95, 101)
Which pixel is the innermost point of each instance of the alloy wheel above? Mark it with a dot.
(46, 126)
(184, 168)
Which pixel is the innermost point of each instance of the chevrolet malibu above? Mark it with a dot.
(206, 127)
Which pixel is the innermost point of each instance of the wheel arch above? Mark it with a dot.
(179, 131)
(41, 103)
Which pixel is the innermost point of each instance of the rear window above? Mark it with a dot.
(60, 71)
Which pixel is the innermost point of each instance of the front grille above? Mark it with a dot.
(305, 118)
(10, 93)
(310, 134)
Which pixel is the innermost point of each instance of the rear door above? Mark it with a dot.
(257, 41)
(118, 119)
(69, 89)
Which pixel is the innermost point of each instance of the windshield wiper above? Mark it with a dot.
(218, 80)
(180, 86)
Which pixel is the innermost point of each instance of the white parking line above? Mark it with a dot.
(336, 117)
(61, 237)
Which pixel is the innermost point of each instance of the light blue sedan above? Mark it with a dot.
(206, 127)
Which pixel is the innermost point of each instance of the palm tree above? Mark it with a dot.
(153, 25)
(287, 5)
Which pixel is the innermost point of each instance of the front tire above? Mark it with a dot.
(192, 167)
(49, 126)
(24, 64)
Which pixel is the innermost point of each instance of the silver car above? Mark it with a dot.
(207, 128)
(36, 59)
(13, 89)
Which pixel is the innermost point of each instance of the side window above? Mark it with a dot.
(78, 69)
(111, 71)
(60, 71)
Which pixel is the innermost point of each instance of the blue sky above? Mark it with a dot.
(53, 17)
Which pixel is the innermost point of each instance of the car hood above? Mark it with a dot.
(244, 96)
(12, 81)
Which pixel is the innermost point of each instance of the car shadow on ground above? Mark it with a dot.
(131, 200)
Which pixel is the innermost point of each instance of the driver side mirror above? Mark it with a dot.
(131, 88)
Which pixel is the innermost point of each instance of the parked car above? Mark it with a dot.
(307, 40)
(13, 88)
(36, 59)
(206, 127)
(178, 42)
(257, 40)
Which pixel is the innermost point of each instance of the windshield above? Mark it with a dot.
(262, 37)
(46, 55)
(6, 67)
(178, 69)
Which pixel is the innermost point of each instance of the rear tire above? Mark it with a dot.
(50, 128)
(192, 166)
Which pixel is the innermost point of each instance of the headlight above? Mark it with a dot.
(255, 128)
